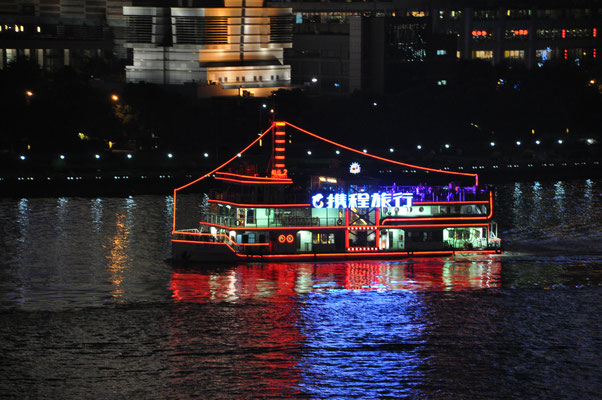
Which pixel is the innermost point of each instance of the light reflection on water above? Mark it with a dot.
(88, 305)
(282, 281)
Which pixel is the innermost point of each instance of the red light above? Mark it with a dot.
(595, 53)
(280, 141)
(476, 176)
(566, 54)
(290, 238)
(564, 33)
(281, 238)
(279, 165)
(526, 32)
(279, 149)
(484, 33)
(474, 33)
(479, 33)
(595, 34)
(254, 182)
(279, 157)
(280, 123)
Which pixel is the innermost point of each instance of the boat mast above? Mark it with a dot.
(278, 150)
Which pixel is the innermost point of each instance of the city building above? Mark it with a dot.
(530, 33)
(57, 33)
(233, 48)
(341, 47)
(246, 47)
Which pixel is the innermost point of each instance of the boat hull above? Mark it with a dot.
(202, 253)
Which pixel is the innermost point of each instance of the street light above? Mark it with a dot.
(314, 80)
(518, 142)
(97, 156)
(29, 93)
(205, 155)
(492, 144)
(114, 97)
(419, 147)
(62, 157)
(129, 156)
(309, 152)
(169, 155)
(391, 150)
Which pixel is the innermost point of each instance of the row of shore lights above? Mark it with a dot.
(337, 152)
(447, 146)
(128, 156)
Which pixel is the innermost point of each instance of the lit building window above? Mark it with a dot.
(514, 54)
(482, 54)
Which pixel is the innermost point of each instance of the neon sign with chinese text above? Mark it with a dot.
(361, 200)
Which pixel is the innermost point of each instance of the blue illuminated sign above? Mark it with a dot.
(361, 200)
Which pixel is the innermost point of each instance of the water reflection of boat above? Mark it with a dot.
(281, 281)
(333, 211)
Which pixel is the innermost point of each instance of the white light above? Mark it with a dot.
(590, 141)
(264, 105)
(365, 151)
(169, 155)
(205, 155)
(419, 147)
(391, 150)
(559, 141)
(537, 142)
(338, 152)
(62, 157)
(447, 146)
(239, 155)
(129, 156)
(492, 144)
(375, 104)
(518, 142)
(97, 156)
(314, 80)
(22, 157)
(309, 152)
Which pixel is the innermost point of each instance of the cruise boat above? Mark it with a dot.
(351, 204)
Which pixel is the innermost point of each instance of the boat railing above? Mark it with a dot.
(424, 193)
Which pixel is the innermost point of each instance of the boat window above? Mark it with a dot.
(251, 216)
(323, 238)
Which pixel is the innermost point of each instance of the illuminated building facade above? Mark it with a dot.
(340, 47)
(57, 33)
(529, 33)
(234, 49)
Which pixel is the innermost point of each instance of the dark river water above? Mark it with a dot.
(90, 309)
